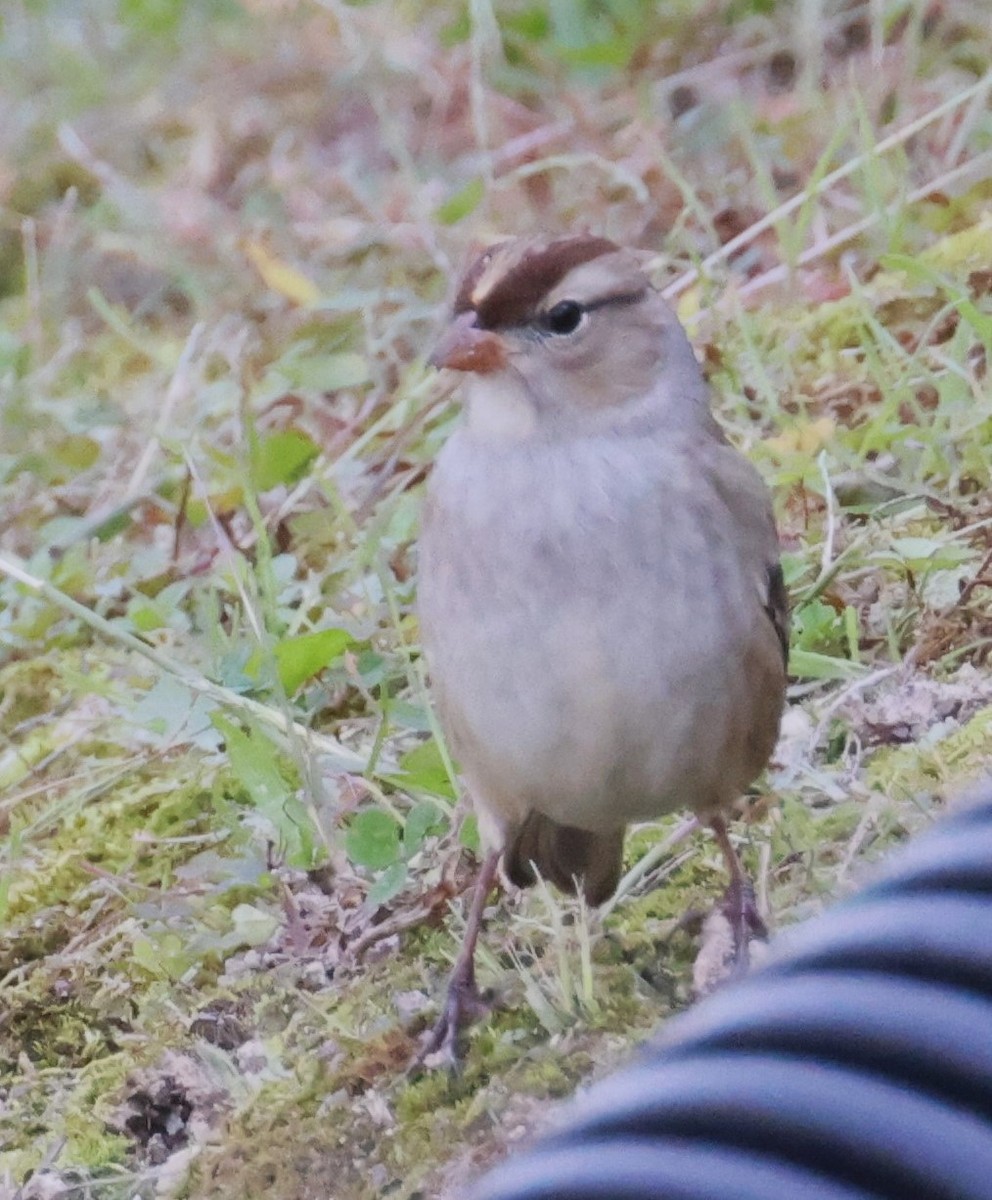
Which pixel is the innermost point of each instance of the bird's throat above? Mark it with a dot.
(500, 409)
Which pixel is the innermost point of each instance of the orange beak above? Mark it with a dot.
(465, 347)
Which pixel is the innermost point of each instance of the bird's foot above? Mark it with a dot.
(728, 931)
(463, 1004)
(741, 910)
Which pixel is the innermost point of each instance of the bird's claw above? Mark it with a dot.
(464, 1003)
(725, 949)
(741, 911)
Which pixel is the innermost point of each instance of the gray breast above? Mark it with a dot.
(578, 614)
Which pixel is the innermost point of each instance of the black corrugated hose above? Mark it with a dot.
(855, 1064)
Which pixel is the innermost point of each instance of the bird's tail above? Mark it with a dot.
(564, 854)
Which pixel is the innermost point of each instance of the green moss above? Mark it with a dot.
(552, 1076)
(31, 687)
(283, 1145)
(426, 1094)
(73, 1101)
(69, 1035)
(140, 832)
(914, 772)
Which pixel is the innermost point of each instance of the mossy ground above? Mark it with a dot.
(231, 874)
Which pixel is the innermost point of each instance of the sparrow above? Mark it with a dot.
(601, 602)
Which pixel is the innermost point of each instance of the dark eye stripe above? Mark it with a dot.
(566, 316)
(620, 299)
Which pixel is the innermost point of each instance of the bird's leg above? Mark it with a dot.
(739, 905)
(463, 1002)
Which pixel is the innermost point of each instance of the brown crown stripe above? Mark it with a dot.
(515, 297)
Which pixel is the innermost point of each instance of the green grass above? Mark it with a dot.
(230, 839)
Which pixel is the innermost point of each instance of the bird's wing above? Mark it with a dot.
(777, 608)
(746, 495)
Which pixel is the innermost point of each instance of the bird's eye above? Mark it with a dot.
(565, 317)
